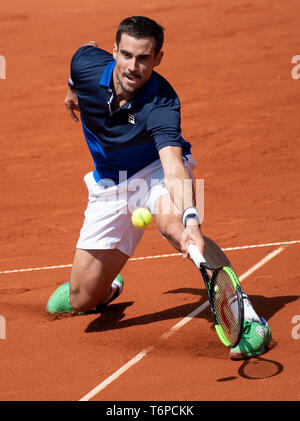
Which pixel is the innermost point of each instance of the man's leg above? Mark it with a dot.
(93, 272)
(95, 280)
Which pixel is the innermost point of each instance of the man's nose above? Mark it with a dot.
(133, 65)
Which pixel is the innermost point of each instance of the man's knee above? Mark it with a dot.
(92, 274)
(78, 300)
(83, 298)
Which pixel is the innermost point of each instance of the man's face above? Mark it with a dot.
(135, 59)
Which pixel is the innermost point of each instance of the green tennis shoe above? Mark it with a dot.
(255, 340)
(59, 302)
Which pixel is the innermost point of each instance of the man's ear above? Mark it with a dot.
(158, 58)
(115, 50)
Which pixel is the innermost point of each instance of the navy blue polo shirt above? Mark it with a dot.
(128, 138)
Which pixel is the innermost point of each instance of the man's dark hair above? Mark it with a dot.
(141, 27)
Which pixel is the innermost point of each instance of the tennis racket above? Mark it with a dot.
(225, 298)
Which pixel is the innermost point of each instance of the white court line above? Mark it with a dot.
(33, 269)
(261, 263)
(158, 256)
(173, 329)
(279, 243)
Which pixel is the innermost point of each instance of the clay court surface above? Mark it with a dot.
(230, 63)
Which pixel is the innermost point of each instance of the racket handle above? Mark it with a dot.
(195, 255)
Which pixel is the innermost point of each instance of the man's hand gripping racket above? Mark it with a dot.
(225, 298)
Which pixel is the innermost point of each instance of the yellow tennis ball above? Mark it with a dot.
(141, 218)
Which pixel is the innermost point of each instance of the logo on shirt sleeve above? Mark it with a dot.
(131, 119)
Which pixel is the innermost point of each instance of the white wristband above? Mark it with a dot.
(190, 213)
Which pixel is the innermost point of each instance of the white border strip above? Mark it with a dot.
(173, 329)
(158, 256)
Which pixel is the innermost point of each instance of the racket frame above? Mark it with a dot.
(240, 303)
(209, 285)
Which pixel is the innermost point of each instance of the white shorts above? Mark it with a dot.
(107, 223)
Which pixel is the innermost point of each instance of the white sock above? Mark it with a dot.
(249, 312)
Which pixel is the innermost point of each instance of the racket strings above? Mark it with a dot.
(226, 305)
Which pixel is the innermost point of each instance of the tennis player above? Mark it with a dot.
(130, 117)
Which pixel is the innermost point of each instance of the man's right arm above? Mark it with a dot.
(71, 102)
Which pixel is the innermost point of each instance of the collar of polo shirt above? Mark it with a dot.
(147, 91)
